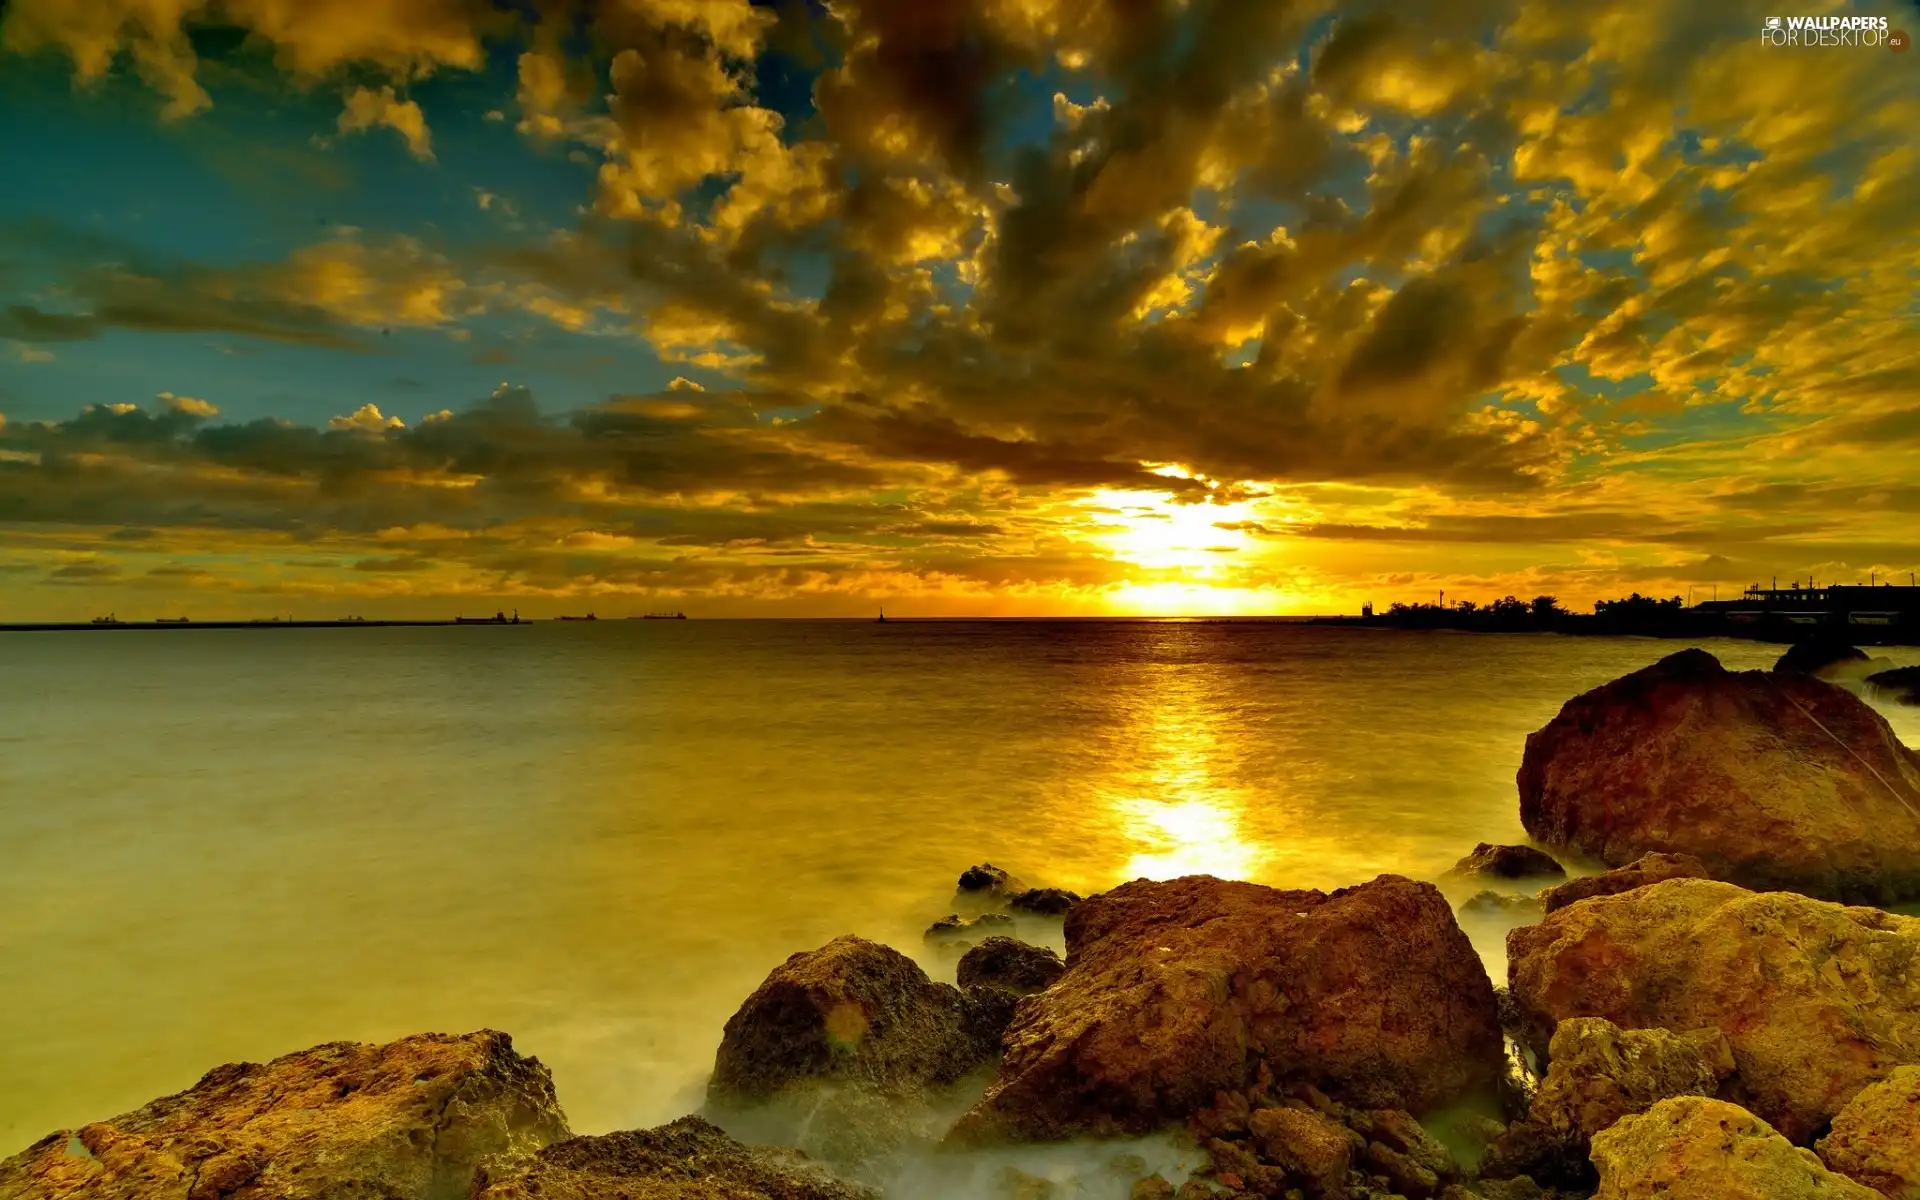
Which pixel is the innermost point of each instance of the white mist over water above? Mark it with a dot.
(223, 845)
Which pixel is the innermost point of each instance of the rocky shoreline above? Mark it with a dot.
(1723, 1013)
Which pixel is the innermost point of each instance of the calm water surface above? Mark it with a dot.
(225, 845)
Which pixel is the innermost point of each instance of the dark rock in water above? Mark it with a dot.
(1002, 962)
(1648, 868)
(1773, 781)
(1816, 1000)
(968, 929)
(689, 1159)
(416, 1119)
(1695, 1146)
(1902, 684)
(1815, 655)
(1876, 1138)
(1044, 902)
(852, 1011)
(848, 1051)
(1176, 991)
(990, 882)
(1507, 862)
(1490, 904)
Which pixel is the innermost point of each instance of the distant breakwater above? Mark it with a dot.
(67, 626)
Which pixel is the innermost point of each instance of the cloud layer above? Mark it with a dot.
(1029, 304)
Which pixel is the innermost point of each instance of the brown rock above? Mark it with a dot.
(414, 1119)
(1816, 1000)
(1313, 1149)
(852, 1011)
(1407, 1177)
(689, 1159)
(1014, 966)
(1400, 1132)
(1876, 1137)
(1772, 781)
(1693, 1146)
(1507, 862)
(1648, 868)
(1044, 902)
(1181, 989)
(1599, 1072)
(1153, 1187)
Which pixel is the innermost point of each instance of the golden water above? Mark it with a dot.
(229, 845)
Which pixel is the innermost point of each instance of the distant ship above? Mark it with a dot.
(169, 620)
(588, 617)
(499, 618)
(672, 616)
(882, 618)
(109, 619)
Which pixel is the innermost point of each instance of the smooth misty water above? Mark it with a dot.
(229, 845)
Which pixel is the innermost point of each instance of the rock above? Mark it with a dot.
(1694, 1146)
(1153, 1187)
(1876, 1137)
(957, 928)
(1400, 1132)
(1507, 862)
(1902, 684)
(1044, 902)
(689, 1159)
(1816, 1000)
(414, 1119)
(1599, 1072)
(1494, 904)
(1407, 1177)
(1816, 655)
(852, 1011)
(849, 1053)
(1313, 1149)
(1648, 868)
(989, 882)
(1178, 990)
(1521, 1188)
(1015, 966)
(1772, 781)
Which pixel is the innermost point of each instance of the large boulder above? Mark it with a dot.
(851, 1053)
(415, 1119)
(1773, 781)
(689, 1159)
(1817, 1000)
(852, 1011)
(1698, 1147)
(1176, 991)
(1648, 868)
(1876, 1137)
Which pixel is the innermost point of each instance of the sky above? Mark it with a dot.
(410, 308)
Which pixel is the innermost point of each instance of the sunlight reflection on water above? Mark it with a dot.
(217, 847)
